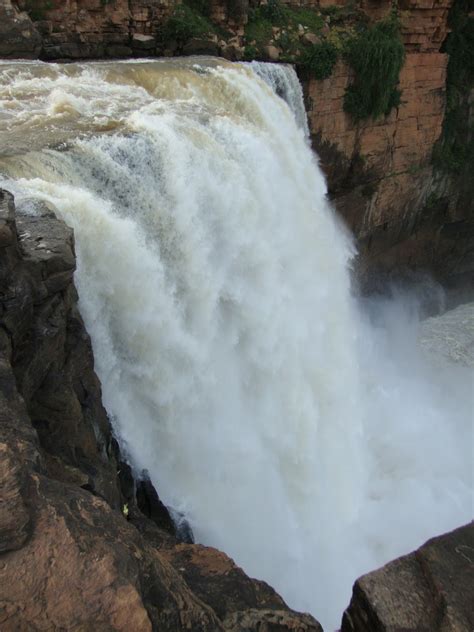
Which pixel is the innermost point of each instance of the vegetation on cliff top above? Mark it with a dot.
(301, 35)
(319, 59)
(186, 22)
(314, 40)
(455, 150)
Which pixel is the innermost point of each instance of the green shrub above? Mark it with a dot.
(199, 6)
(185, 23)
(376, 56)
(250, 52)
(309, 18)
(258, 31)
(344, 13)
(275, 12)
(319, 59)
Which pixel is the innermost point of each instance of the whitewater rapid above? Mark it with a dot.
(308, 440)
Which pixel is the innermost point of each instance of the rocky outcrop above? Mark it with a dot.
(49, 352)
(18, 35)
(430, 590)
(82, 546)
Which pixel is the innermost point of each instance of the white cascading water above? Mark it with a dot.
(308, 442)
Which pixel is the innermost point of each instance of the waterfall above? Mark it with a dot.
(284, 82)
(306, 440)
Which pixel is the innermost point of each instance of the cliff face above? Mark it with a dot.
(380, 173)
(430, 589)
(18, 35)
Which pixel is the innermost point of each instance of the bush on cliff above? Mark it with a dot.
(319, 59)
(376, 56)
(185, 23)
(274, 11)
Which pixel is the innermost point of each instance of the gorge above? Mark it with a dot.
(214, 280)
(261, 362)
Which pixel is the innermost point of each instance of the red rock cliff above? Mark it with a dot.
(380, 173)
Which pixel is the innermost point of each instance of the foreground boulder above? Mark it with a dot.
(430, 590)
(83, 547)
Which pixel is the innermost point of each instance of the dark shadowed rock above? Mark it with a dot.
(151, 506)
(430, 590)
(50, 351)
(14, 515)
(208, 571)
(269, 621)
(199, 46)
(19, 37)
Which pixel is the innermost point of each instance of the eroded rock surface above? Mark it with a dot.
(19, 37)
(405, 215)
(430, 590)
(69, 557)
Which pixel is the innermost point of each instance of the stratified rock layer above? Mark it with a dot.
(380, 172)
(69, 558)
(430, 590)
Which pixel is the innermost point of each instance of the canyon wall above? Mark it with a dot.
(406, 214)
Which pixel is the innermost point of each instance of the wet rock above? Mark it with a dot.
(151, 506)
(240, 602)
(184, 532)
(430, 590)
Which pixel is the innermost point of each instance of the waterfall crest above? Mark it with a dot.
(214, 281)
